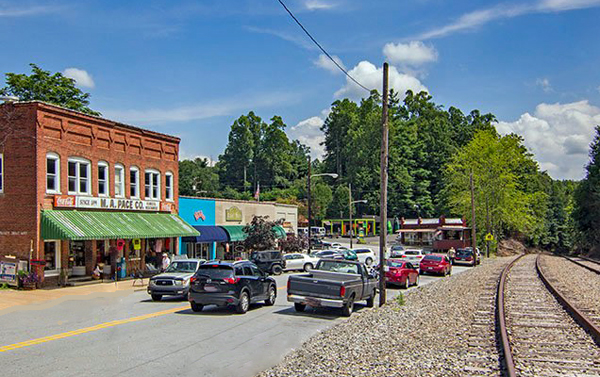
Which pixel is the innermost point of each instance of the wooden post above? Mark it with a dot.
(350, 212)
(473, 227)
(487, 216)
(383, 189)
(308, 197)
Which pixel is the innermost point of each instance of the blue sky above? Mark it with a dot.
(189, 68)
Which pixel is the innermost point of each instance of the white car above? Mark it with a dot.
(366, 256)
(299, 261)
(413, 256)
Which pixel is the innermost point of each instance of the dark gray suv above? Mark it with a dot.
(175, 281)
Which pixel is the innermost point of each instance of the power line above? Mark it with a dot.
(321, 48)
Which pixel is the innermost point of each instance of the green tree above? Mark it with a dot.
(197, 178)
(339, 203)
(43, 86)
(260, 234)
(320, 199)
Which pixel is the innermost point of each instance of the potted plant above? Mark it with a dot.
(29, 280)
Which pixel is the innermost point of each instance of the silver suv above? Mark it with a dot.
(175, 281)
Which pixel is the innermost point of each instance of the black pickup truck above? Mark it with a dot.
(333, 283)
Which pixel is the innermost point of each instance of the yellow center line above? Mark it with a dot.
(100, 326)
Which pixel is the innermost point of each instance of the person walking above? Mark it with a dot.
(452, 255)
(165, 261)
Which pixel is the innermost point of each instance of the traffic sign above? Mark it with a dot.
(489, 237)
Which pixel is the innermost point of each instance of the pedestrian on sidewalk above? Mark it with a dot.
(165, 261)
(452, 255)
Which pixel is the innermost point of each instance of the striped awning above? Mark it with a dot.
(90, 225)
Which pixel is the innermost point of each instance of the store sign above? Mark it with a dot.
(68, 201)
(137, 244)
(8, 272)
(233, 214)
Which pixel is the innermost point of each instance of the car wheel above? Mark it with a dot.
(308, 267)
(299, 307)
(371, 300)
(450, 271)
(156, 297)
(244, 303)
(272, 296)
(369, 261)
(196, 307)
(276, 269)
(406, 283)
(348, 307)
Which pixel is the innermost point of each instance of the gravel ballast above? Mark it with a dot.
(444, 329)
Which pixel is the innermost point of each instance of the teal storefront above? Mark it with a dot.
(200, 213)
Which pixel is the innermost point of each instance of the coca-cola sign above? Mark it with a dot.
(117, 204)
(64, 201)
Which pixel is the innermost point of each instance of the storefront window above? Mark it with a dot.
(134, 182)
(169, 186)
(119, 180)
(152, 184)
(52, 173)
(52, 257)
(79, 176)
(102, 178)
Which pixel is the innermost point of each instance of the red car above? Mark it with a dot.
(401, 273)
(436, 264)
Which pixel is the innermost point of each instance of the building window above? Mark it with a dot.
(152, 184)
(169, 186)
(52, 257)
(79, 176)
(1, 172)
(134, 182)
(103, 178)
(119, 180)
(52, 173)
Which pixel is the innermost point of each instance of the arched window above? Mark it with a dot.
(52, 173)
(79, 176)
(103, 180)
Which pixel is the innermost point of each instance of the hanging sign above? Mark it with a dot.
(137, 244)
(489, 237)
(120, 245)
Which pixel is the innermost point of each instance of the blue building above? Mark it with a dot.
(200, 213)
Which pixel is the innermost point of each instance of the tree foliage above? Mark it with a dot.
(260, 234)
(197, 178)
(43, 86)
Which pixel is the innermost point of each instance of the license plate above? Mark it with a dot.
(313, 302)
(210, 288)
(430, 268)
(208, 281)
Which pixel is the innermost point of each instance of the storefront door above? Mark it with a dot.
(77, 258)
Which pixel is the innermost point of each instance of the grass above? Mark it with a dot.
(4, 287)
(400, 299)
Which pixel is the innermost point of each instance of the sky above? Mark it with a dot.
(190, 68)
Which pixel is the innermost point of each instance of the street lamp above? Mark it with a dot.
(350, 202)
(332, 175)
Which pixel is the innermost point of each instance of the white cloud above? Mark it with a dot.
(309, 133)
(26, 11)
(414, 53)
(372, 77)
(186, 156)
(326, 63)
(319, 4)
(544, 84)
(299, 41)
(482, 16)
(81, 77)
(559, 136)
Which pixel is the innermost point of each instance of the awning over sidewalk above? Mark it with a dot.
(235, 232)
(279, 232)
(208, 233)
(90, 225)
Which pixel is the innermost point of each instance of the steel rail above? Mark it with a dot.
(509, 362)
(590, 260)
(583, 265)
(581, 318)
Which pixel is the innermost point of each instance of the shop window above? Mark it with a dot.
(79, 176)
(52, 257)
(52, 173)
(134, 182)
(103, 178)
(1, 172)
(169, 186)
(152, 184)
(119, 180)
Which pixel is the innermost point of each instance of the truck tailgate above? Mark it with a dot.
(321, 284)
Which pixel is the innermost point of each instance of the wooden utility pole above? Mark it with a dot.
(473, 227)
(308, 197)
(383, 189)
(487, 217)
(350, 212)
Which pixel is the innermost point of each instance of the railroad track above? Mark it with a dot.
(587, 263)
(541, 333)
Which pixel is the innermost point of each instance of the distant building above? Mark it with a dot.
(439, 233)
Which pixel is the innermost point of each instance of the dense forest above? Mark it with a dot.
(432, 153)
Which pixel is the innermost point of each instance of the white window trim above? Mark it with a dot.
(120, 166)
(2, 172)
(56, 271)
(137, 183)
(89, 173)
(169, 198)
(56, 158)
(106, 178)
(152, 171)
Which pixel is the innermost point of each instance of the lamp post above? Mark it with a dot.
(350, 202)
(332, 175)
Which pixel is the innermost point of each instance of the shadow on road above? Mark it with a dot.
(321, 313)
(218, 311)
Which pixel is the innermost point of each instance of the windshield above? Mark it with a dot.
(393, 263)
(463, 253)
(397, 247)
(433, 258)
(412, 252)
(215, 271)
(182, 267)
(347, 268)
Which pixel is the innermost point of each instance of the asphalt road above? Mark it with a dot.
(121, 333)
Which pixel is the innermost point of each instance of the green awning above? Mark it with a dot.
(235, 232)
(279, 232)
(90, 225)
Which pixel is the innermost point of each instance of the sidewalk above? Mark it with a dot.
(11, 298)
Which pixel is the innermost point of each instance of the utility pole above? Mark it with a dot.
(350, 211)
(308, 197)
(383, 189)
(487, 216)
(473, 228)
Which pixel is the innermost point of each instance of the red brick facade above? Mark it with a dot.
(29, 131)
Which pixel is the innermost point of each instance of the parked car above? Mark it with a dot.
(302, 231)
(317, 231)
(366, 256)
(401, 273)
(477, 252)
(238, 284)
(175, 281)
(333, 254)
(349, 254)
(413, 256)
(436, 264)
(269, 261)
(396, 251)
(465, 256)
(299, 261)
(333, 283)
(316, 243)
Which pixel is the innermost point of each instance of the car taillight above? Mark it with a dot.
(469, 258)
(231, 280)
(342, 291)
(193, 279)
(288, 286)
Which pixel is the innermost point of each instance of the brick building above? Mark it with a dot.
(75, 189)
